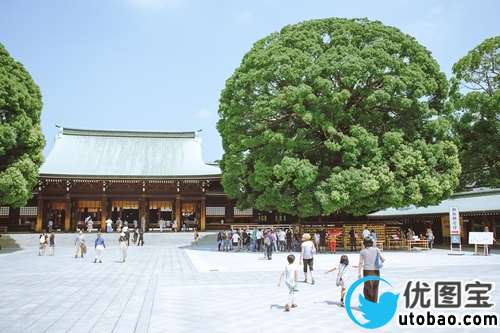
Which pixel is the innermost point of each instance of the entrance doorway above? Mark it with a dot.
(190, 215)
(56, 212)
(88, 210)
(160, 211)
(125, 210)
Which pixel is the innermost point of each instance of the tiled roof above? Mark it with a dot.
(79, 152)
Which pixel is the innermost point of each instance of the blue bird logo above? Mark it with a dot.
(376, 314)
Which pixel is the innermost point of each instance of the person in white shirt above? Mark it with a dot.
(342, 276)
(259, 239)
(123, 246)
(236, 240)
(307, 255)
(162, 224)
(109, 225)
(366, 233)
(290, 275)
(281, 240)
(89, 223)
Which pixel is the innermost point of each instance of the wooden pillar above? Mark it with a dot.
(104, 212)
(67, 213)
(143, 209)
(39, 215)
(178, 212)
(202, 214)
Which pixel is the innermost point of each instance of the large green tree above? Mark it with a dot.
(21, 139)
(476, 96)
(337, 115)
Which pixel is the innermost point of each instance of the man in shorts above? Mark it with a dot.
(307, 255)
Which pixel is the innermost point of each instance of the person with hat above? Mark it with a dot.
(307, 255)
(99, 248)
(123, 245)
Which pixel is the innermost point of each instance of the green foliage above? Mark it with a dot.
(337, 115)
(21, 139)
(476, 95)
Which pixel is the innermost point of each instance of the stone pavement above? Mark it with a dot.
(168, 287)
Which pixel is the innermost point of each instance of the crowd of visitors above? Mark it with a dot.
(268, 240)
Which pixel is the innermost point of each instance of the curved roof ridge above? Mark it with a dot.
(127, 133)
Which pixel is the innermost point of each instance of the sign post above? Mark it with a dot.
(455, 241)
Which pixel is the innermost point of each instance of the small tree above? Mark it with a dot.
(476, 95)
(337, 115)
(21, 139)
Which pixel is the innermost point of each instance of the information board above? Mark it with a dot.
(481, 238)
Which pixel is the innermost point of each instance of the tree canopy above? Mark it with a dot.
(21, 139)
(476, 96)
(337, 116)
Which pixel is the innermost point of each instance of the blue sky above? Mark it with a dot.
(161, 64)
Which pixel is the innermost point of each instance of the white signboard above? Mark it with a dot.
(454, 221)
(481, 238)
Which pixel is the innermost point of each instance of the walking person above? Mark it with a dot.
(196, 236)
(366, 232)
(259, 239)
(225, 246)
(281, 240)
(370, 261)
(219, 241)
(322, 240)
(430, 238)
(140, 241)
(89, 223)
(352, 239)
(289, 239)
(109, 225)
(290, 275)
(307, 256)
(253, 239)
(317, 238)
(342, 276)
(42, 244)
(126, 230)
(99, 247)
(122, 240)
(268, 245)
(119, 225)
(236, 240)
(80, 244)
(51, 225)
(52, 243)
(136, 234)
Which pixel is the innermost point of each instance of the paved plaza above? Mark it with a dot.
(168, 286)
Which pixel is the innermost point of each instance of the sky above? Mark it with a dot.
(161, 64)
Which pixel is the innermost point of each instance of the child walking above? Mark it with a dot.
(342, 277)
(290, 275)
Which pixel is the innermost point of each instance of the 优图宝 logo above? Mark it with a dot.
(423, 304)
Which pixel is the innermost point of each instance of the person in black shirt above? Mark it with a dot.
(352, 238)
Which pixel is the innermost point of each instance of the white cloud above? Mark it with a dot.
(154, 4)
